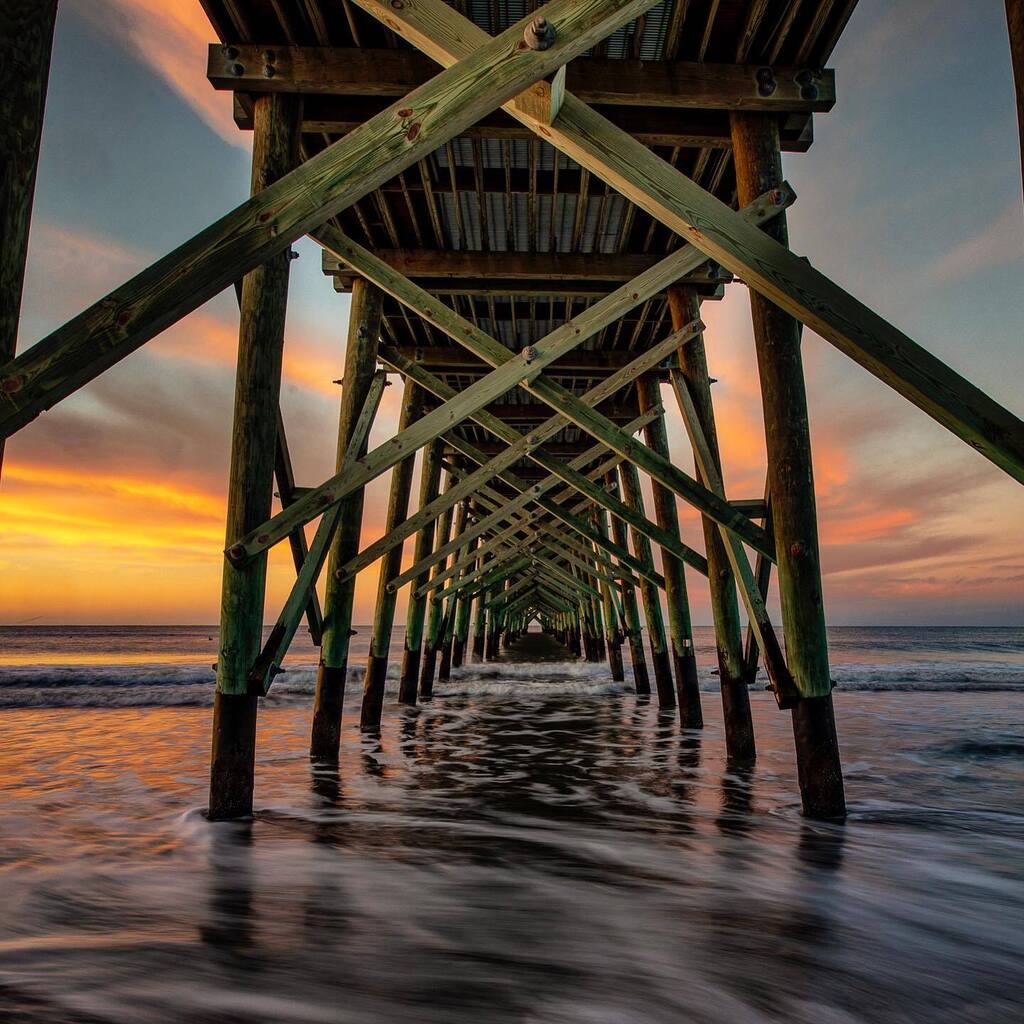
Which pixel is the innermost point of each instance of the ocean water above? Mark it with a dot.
(536, 844)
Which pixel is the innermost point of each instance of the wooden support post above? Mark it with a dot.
(360, 363)
(447, 639)
(285, 478)
(680, 629)
(430, 480)
(763, 579)
(739, 729)
(791, 482)
(480, 624)
(631, 611)
(613, 638)
(251, 478)
(462, 622)
(391, 564)
(681, 204)
(1015, 25)
(432, 639)
(660, 658)
(268, 664)
(26, 40)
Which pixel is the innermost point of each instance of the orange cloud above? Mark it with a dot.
(997, 244)
(171, 36)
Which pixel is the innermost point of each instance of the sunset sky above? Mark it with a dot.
(113, 503)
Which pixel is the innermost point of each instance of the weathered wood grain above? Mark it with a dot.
(268, 223)
(26, 40)
(755, 257)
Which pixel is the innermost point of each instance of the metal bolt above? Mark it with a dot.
(238, 70)
(539, 34)
(269, 71)
(529, 353)
(230, 52)
(766, 83)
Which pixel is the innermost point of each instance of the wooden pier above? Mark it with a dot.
(528, 206)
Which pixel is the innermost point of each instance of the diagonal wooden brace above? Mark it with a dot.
(761, 262)
(277, 216)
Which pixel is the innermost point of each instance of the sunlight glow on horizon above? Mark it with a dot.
(113, 503)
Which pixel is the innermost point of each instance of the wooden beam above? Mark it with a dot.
(26, 41)
(465, 487)
(537, 412)
(520, 267)
(332, 672)
(363, 71)
(384, 608)
(786, 692)
(581, 362)
(559, 398)
(1015, 28)
(677, 602)
(633, 496)
(759, 260)
(794, 515)
(511, 370)
(269, 222)
(268, 664)
(251, 479)
(432, 636)
(430, 482)
(566, 472)
(651, 126)
(631, 610)
(488, 289)
(725, 613)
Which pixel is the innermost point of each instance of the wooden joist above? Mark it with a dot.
(367, 72)
(653, 126)
(519, 269)
(580, 362)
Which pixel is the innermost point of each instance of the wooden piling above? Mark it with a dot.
(251, 476)
(480, 622)
(684, 306)
(447, 638)
(413, 398)
(26, 42)
(660, 658)
(1015, 26)
(435, 608)
(631, 611)
(430, 480)
(360, 363)
(613, 638)
(684, 658)
(462, 618)
(791, 482)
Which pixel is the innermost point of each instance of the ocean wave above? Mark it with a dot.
(191, 685)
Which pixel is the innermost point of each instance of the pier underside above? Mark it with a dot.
(528, 207)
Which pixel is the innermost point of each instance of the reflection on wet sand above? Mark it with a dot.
(558, 857)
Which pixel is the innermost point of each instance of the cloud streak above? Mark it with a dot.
(170, 36)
